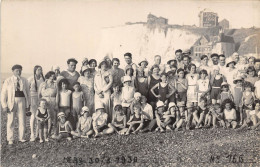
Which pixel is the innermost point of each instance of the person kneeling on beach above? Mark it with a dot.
(136, 121)
(84, 126)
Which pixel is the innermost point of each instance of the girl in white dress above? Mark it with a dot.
(192, 77)
(203, 86)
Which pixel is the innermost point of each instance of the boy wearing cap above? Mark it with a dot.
(127, 95)
(137, 100)
(15, 100)
(84, 126)
(99, 119)
(225, 93)
(161, 120)
(64, 127)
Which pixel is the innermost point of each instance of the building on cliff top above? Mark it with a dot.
(224, 24)
(208, 18)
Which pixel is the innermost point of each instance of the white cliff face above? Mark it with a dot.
(143, 42)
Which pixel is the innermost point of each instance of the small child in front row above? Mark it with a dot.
(43, 115)
(163, 121)
(218, 116)
(137, 100)
(118, 124)
(200, 113)
(225, 93)
(209, 115)
(84, 125)
(183, 116)
(171, 114)
(136, 121)
(248, 99)
(254, 117)
(230, 116)
(64, 127)
(99, 120)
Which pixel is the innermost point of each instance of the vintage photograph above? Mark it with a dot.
(130, 83)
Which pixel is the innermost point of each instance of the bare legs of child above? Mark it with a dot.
(82, 134)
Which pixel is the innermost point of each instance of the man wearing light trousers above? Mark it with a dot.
(15, 100)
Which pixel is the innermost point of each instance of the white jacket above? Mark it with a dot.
(8, 92)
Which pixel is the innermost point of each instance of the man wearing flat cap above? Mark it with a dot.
(71, 74)
(15, 100)
(214, 59)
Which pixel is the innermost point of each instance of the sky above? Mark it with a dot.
(48, 32)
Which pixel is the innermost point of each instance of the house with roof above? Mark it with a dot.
(206, 45)
(224, 24)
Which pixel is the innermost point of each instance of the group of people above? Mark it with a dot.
(105, 99)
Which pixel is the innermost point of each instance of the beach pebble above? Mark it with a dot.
(34, 156)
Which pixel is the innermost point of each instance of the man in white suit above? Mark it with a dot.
(15, 99)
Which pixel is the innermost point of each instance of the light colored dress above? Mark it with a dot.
(34, 92)
(203, 85)
(87, 86)
(101, 82)
(192, 95)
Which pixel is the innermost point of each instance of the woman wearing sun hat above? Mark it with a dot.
(231, 73)
(143, 63)
(102, 83)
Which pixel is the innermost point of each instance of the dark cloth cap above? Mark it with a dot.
(72, 60)
(214, 55)
(17, 66)
(203, 56)
(92, 60)
(128, 54)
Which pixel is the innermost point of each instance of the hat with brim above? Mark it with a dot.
(237, 79)
(127, 79)
(224, 83)
(55, 68)
(159, 104)
(84, 68)
(230, 63)
(84, 110)
(143, 60)
(169, 61)
(85, 61)
(171, 104)
(61, 114)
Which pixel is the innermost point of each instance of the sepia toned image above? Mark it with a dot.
(130, 83)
